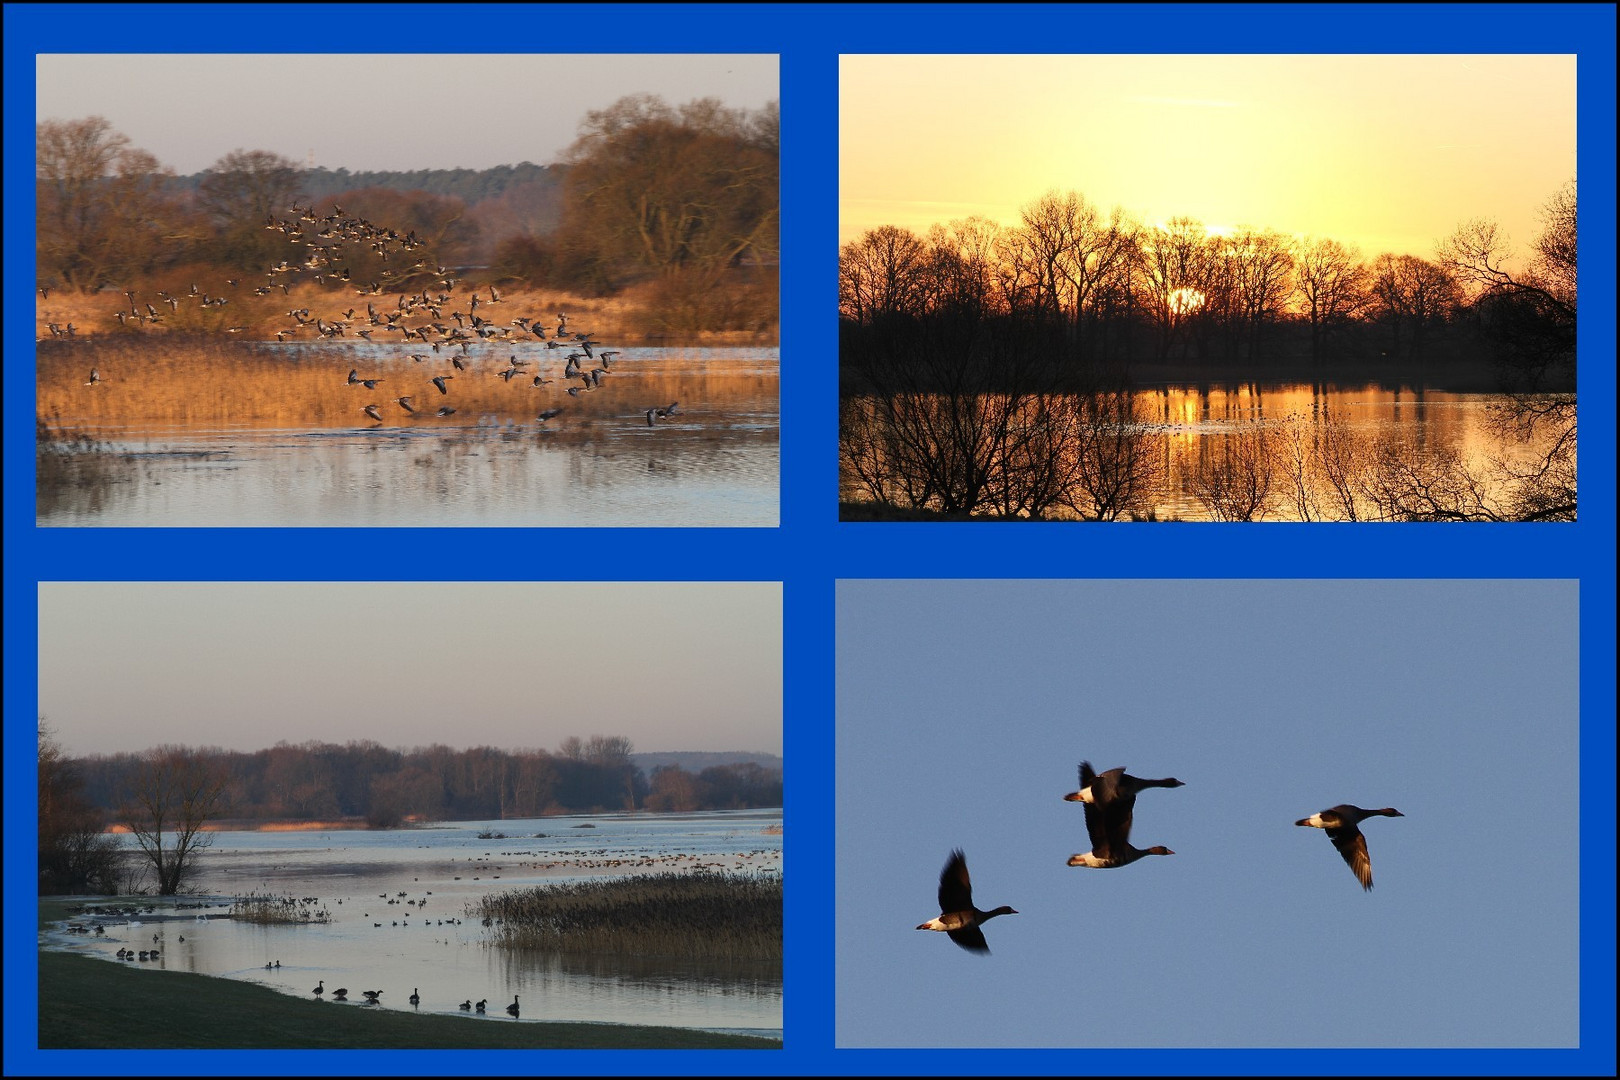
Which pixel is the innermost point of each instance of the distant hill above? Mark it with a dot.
(695, 761)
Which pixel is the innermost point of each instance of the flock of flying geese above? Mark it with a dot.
(374, 997)
(1109, 799)
(424, 316)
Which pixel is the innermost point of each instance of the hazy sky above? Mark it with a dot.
(1456, 702)
(673, 666)
(1387, 152)
(376, 111)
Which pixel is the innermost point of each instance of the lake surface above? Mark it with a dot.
(1189, 428)
(417, 883)
(280, 438)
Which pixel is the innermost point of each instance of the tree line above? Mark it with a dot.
(1125, 292)
(988, 369)
(166, 795)
(682, 198)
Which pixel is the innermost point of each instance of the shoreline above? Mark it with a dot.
(84, 1003)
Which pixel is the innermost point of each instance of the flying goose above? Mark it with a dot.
(548, 414)
(1109, 800)
(1340, 823)
(958, 917)
(371, 411)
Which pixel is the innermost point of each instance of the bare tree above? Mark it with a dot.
(240, 192)
(1412, 295)
(1332, 281)
(173, 795)
(104, 212)
(1261, 266)
(885, 272)
(75, 855)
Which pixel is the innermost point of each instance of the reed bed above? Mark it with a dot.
(279, 910)
(629, 317)
(202, 381)
(694, 916)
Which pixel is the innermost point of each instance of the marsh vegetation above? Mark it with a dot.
(703, 916)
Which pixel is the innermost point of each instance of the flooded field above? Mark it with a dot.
(391, 910)
(257, 434)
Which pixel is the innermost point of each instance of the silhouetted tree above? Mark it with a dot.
(75, 855)
(173, 794)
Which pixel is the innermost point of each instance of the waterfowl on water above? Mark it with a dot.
(466, 1006)
(416, 998)
(1109, 801)
(481, 1003)
(1340, 823)
(341, 994)
(513, 1008)
(958, 918)
(95, 377)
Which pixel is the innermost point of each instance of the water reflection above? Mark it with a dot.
(397, 904)
(285, 442)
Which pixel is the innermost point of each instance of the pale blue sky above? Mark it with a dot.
(964, 708)
(670, 665)
(382, 111)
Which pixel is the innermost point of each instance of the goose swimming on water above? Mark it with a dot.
(958, 918)
(1341, 824)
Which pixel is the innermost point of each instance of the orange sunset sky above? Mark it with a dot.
(1389, 153)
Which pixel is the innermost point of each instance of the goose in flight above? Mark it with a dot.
(371, 411)
(1341, 825)
(548, 414)
(439, 381)
(958, 918)
(405, 403)
(1109, 800)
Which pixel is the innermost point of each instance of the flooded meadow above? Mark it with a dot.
(204, 432)
(396, 911)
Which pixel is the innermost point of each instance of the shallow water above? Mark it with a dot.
(417, 883)
(315, 459)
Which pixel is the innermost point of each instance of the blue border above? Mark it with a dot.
(811, 549)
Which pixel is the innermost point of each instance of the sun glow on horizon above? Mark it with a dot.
(1349, 153)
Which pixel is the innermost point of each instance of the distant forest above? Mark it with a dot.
(683, 199)
(328, 781)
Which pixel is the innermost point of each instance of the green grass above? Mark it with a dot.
(89, 1004)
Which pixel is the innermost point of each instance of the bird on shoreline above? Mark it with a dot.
(1341, 823)
(513, 1008)
(320, 988)
(958, 918)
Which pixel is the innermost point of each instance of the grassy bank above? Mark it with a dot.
(89, 1004)
(704, 916)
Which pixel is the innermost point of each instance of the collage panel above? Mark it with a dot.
(558, 803)
(1165, 289)
(998, 779)
(253, 309)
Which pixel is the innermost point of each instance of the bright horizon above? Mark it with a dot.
(1389, 153)
(124, 666)
(189, 110)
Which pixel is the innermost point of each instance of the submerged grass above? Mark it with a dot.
(186, 381)
(89, 1004)
(278, 910)
(696, 916)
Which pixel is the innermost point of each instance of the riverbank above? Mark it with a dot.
(89, 1004)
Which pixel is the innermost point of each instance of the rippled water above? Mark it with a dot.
(397, 902)
(303, 453)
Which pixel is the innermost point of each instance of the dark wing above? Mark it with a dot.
(1115, 803)
(970, 938)
(1087, 775)
(955, 890)
(1097, 827)
(1353, 846)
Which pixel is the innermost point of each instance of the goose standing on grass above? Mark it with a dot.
(1340, 824)
(957, 916)
(1109, 801)
(320, 988)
